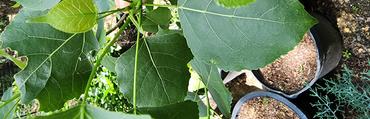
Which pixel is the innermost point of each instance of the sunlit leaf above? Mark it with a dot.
(71, 16)
(234, 3)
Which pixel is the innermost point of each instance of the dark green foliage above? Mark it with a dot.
(348, 93)
(183, 110)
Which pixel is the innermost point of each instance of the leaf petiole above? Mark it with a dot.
(136, 23)
(208, 104)
(107, 13)
(125, 9)
(140, 12)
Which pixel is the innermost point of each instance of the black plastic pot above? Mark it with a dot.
(328, 43)
(277, 97)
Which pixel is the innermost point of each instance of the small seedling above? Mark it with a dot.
(265, 101)
(346, 54)
(355, 8)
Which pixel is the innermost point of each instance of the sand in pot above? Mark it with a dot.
(291, 72)
(265, 108)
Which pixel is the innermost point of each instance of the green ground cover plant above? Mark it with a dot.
(348, 94)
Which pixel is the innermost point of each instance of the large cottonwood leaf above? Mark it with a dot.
(38, 4)
(182, 110)
(247, 37)
(234, 3)
(91, 112)
(57, 68)
(7, 110)
(162, 70)
(71, 16)
(212, 80)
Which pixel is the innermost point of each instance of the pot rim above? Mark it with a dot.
(277, 97)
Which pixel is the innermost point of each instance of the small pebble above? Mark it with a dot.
(346, 30)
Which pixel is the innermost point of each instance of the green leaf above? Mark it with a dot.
(57, 68)
(7, 111)
(163, 75)
(183, 110)
(158, 17)
(234, 3)
(91, 112)
(247, 37)
(71, 16)
(16, 61)
(38, 4)
(109, 62)
(212, 79)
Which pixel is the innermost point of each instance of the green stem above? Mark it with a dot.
(114, 11)
(101, 56)
(159, 5)
(136, 24)
(139, 8)
(207, 97)
(107, 13)
(208, 104)
(16, 96)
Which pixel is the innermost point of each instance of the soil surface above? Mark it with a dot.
(291, 72)
(266, 108)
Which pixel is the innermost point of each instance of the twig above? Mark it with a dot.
(120, 23)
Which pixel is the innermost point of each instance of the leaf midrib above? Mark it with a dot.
(49, 56)
(156, 69)
(225, 15)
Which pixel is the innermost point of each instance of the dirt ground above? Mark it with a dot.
(352, 18)
(5, 10)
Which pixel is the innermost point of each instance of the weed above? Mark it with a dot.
(347, 93)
